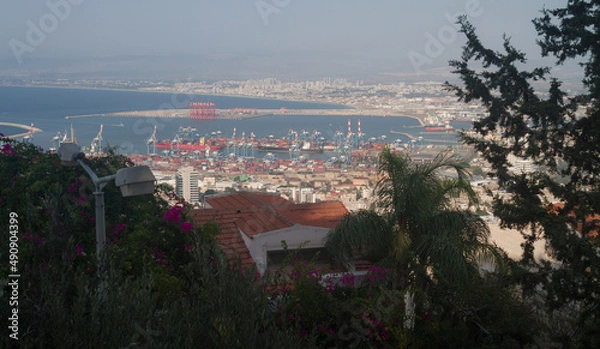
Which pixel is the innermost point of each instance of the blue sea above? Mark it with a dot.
(46, 108)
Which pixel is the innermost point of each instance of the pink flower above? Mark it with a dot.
(8, 150)
(376, 273)
(186, 227)
(81, 200)
(187, 247)
(160, 257)
(35, 239)
(347, 280)
(173, 214)
(73, 188)
(79, 250)
(115, 234)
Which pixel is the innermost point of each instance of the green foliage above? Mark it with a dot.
(433, 251)
(558, 132)
(167, 284)
(414, 227)
(335, 309)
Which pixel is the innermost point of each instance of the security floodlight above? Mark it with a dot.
(69, 154)
(134, 181)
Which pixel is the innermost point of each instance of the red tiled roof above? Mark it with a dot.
(326, 214)
(246, 199)
(593, 220)
(258, 213)
(230, 239)
(272, 199)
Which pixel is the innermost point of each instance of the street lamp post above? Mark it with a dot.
(132, 181)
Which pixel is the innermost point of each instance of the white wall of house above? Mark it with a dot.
(221, 186)
(295, 237)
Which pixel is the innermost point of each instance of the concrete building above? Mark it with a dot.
(186, 184)
(303, 195)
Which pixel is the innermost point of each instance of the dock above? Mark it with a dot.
(30, 129)
(236, 115)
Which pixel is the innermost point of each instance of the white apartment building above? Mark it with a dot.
(186, 184)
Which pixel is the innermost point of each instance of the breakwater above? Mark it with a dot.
(236, 115)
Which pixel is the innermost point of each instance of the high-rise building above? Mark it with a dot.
(303, 195)
(186, 182)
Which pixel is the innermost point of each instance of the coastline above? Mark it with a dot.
(339, 106)
(336, 110)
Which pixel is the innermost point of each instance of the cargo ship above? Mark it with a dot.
(440, 128)
(284, 147)
(166, 145)
(187, 140)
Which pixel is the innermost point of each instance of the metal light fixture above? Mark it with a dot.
(132, 181)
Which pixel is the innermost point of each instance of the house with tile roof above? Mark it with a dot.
(254, 224)
(591, 223)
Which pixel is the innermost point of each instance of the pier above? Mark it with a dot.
(236, 115)
(411, 137)
(30, 129)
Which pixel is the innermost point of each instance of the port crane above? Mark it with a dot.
(96, 145)
(151, 143)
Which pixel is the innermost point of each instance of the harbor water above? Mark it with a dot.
(46, 108)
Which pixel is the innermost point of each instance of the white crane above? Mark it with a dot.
(96, 145)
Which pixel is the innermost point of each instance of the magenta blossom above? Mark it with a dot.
(35, 239)
(79, 250)
(116, 233)
(173, 214)
(347, 280)
(186, 227)
(73, 188)
(160, 257)
(8, 150)
(376, 273)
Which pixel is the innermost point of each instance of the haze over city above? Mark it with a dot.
(251, 39)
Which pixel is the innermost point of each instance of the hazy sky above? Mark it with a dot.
(416, 32)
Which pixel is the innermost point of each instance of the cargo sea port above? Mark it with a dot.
(248, 113)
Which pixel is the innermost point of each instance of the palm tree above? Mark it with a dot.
(413, 227)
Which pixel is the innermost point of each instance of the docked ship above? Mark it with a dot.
(280, 147)
(188, 140)
(273, 146)
(166, 145)
(311, 147)
(440, 128)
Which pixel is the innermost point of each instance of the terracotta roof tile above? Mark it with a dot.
(592, 221)
(326, 214)
(229, 238)
(246, 199)
(258, 213)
